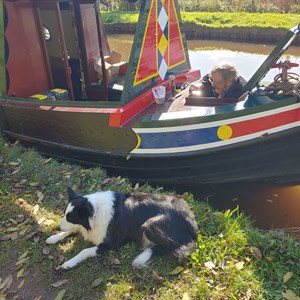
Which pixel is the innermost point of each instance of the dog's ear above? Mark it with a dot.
(72, 194)
(85, 211)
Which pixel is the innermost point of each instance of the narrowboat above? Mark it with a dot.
(66, 93)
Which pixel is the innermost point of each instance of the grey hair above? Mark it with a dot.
(227, 70)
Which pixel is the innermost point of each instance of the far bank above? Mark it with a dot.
(240, 27)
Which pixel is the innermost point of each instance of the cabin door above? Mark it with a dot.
(53, 19)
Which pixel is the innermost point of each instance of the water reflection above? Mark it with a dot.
(206, 53)
(270, 205)
(247, 63)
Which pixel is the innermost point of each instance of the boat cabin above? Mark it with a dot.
(65, 92)
(55, 45)
(58, 50)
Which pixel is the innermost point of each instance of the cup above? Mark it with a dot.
(159, 93)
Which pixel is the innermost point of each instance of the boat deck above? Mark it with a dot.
(184, 105)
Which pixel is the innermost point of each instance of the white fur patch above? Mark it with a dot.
(141, 260)
(83, 255)
(102, 203)
(53, 239)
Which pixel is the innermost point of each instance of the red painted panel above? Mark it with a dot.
(177, 54)
(91, 41)
(123, 114)
(27, 73)
(147, 65)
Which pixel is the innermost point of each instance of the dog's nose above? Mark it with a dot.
(58, 227)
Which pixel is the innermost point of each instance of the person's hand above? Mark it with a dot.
(195, 87)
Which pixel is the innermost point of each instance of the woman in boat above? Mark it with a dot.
(223, 81)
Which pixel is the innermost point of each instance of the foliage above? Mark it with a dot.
(120, 5)
(262, 6)
(295, 9)
(117, 17)
(232, 260)
(216, 19)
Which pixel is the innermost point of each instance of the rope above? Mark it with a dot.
(289, 87)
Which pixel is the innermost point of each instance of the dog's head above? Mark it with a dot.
(78, 212)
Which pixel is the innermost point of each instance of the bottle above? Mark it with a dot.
(173, 85)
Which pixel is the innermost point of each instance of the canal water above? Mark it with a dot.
(206, 53)
(268, 205)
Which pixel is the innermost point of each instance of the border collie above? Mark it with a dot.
(162, 224)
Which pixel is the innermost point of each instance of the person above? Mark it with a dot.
(223, 81)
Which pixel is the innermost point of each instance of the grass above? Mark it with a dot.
(233, 260)
(216, 19)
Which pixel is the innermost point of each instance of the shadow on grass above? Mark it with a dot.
(33, 197)
(232, 261)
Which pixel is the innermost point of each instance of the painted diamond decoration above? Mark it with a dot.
(163, 68)
(162, 18)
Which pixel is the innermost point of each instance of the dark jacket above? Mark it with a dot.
(235, 91)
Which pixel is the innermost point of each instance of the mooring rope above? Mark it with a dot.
(291, 86)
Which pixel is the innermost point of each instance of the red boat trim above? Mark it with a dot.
(125, 113)
(78, 109)
(128, 111)
(264, 123)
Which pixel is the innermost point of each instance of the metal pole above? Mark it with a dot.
(105, 81)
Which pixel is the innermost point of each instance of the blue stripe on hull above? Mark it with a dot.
(183, 138)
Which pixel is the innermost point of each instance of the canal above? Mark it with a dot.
(269, 205)
(206, 53)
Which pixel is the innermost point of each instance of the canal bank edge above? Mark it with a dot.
(237, 34)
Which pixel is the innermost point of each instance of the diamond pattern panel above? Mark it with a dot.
(163, 42)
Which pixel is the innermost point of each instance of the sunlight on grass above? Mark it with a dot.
(233, 260)
(42, 216)
(67, 245)
(216, 19)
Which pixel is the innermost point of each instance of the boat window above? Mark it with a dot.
(47, 34)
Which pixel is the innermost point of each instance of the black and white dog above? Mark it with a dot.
(162, 224)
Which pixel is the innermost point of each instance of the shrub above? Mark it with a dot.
(261, 6)
(295, 9)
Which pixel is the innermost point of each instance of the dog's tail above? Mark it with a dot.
(183, 251)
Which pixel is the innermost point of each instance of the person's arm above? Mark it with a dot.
(236, 90)
(203, 86)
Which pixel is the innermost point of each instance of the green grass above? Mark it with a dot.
(229, 20)
(233, 260)
(217, 19)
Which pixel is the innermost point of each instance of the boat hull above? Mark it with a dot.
(64, 92)
(270, 158)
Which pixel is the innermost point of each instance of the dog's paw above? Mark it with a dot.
(141, 260)
(71, 263)
(136, 264)
(53, 239)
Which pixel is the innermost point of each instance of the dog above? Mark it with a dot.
(162, 224)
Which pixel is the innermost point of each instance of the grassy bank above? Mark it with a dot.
(216, 19)
(262, 6)
(240, 27)
(233, 260)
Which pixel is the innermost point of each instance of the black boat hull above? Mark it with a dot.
(272, 158)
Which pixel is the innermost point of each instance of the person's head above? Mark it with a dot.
(223, 76)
